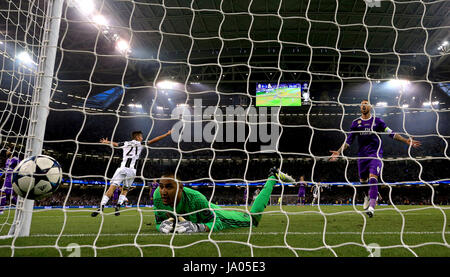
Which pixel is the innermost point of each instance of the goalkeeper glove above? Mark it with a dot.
(166, 226)
(273, 172)
(189, 227)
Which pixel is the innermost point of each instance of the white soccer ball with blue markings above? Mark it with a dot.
(37, 177)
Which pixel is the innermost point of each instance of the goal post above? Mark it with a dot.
(40, 108)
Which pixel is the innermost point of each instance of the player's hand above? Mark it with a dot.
(169, 132)
(334, 156)
(167, 226)
(104, 140)
(413, 143)
(189, 227)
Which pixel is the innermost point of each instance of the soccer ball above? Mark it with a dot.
(37, 177)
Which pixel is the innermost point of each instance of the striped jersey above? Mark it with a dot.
(316, 189)
(131, 153)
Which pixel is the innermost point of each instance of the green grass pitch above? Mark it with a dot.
(294, 230)
(287, 96)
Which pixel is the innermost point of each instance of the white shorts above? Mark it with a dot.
(125, 176)
(315, 195)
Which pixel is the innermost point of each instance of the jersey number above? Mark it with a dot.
(131, 149)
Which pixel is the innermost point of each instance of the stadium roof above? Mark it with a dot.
(198, 41)
(229, 45)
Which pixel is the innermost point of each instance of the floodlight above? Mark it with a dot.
(86, 6)
(165, 84)
(397, 82)
(122, 46)
(100, 20)
(25, 58)
(135, 105)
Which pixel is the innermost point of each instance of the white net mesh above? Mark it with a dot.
(193, 67)
(21, 40)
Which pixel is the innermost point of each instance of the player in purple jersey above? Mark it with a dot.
(153, 187)
(6, 191)
(301, 191)
(366, 129)
(115, 197)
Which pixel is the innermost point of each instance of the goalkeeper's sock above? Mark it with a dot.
(262, 199)
(105, 200)
(373, 192)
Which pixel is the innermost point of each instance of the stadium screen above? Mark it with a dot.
(283, 94)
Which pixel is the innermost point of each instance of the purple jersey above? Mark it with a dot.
(369, 142)
(154, 186)
(301, 191)
(116, 194)
(10, 164)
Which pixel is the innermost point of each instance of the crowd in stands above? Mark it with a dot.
(243, 168)
(234, 195)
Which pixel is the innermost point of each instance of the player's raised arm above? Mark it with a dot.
(409, 141)
(159, 137)
(106, 141)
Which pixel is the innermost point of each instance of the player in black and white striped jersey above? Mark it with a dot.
(126, 173)
(316, 190)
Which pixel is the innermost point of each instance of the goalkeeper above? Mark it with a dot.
(198, 215)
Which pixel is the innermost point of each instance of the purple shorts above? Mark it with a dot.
(369, 166)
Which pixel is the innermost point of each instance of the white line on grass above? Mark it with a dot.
(272, 213)
(241, 233)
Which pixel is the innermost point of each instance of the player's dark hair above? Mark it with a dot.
(135, 134)
(9, 147)
(171, 176)
(168, 174)
(365, 100)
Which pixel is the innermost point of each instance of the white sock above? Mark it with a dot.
(105, 200)
(121, 199)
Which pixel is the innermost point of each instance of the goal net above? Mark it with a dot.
(22, 45)
(244, 86)
(286, 199)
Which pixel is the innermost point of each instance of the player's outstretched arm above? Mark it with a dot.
(106, 141)
(159, 137)
(409, 141)
(350, 138)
